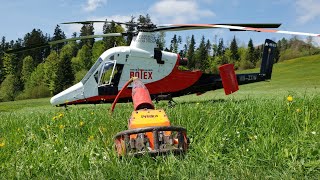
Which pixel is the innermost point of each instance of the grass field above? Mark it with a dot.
(255, 133)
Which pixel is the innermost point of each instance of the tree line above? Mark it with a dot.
(47, 71)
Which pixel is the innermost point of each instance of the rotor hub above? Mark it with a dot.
(149, 27)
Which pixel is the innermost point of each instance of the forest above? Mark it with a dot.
(44, 72)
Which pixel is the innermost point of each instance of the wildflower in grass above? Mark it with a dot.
(313, 132)
(2, 144)
(102, 129)
(81, 123)
(54, 118)
(298, 110)
(60, 115)
(289, 98)
(253, 138)
(90, 138)
(62, 126)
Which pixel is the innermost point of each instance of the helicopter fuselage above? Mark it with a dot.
(158, 70)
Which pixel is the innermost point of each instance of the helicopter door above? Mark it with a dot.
(109, 78)
(106, 73)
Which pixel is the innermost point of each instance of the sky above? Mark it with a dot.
(19, 17)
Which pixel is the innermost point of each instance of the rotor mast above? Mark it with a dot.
(145, 41)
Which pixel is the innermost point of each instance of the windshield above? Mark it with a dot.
(91, 71)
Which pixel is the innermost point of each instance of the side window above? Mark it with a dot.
(106, 73)
(117, 74)
(96, 76)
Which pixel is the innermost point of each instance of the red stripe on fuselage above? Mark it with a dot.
(176, 81)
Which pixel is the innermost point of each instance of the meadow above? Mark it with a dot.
(267, 130)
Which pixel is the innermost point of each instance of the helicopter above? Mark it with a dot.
(159, 70)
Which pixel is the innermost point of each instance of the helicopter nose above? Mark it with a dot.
(56, 100)
(73, 93)
(53, 100)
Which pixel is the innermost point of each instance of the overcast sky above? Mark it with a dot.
(19, 17)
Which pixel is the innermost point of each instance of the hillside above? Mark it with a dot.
(299, 75)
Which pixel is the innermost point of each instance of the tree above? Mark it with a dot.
(144, 19)
(208, 47)
(2, 49)
(185, 47)
(97, 50)
(277, 52)
(36, 86)
(309, 44)
(2, 74)
(227, 57)
(284, 44)
(250, 53)
(65, 74)
(83, 59)
(175, 43)
(221, 48)
(190, 54)
(202, 55)
(27, 68)
(9, 88)
(36, 37)
(258, 54)
(113, 41)
(10, 64)
(51, 76)
(87, 30)
(130, 28)
(58, 35)
(234, 50)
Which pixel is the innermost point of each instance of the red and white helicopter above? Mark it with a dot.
(159, 70)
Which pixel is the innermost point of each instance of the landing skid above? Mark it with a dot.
(161, 97)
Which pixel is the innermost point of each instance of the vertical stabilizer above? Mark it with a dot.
(268, 58)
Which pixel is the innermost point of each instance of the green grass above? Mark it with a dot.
(253, 134)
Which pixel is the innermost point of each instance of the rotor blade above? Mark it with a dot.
(178, 27)
(64, 40)
(86, 37)
(83, 22)
(89, 22)
(27, 48)
(257, 25)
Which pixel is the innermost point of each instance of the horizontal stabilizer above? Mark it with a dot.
(229, 79)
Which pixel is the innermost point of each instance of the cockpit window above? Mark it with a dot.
(92, 70)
